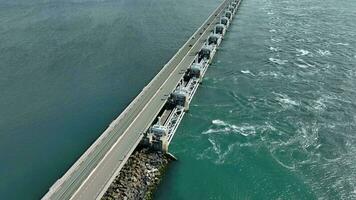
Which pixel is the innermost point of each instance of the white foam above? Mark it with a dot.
(216, 147)
(319, 104)
(278, 61)
(272, 31)
(275, 40)
(226, 128)
(211, 130)
(302, 52)
(302, 66)
(274, 49)
(304, 63)
(343, 44)
(220, 151)
(218, 122)
(282, 164)
(247, 72)
(274, 74)
(222, 156)
(324, 52)
(309, 134)
(285, 101)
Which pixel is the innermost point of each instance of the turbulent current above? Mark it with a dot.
(274, 118)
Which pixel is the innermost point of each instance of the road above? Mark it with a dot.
(92, 174)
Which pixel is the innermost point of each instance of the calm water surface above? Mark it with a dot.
(68, 68)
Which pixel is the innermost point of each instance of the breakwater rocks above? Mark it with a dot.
(139, 177)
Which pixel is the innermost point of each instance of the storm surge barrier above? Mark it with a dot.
(160, 105)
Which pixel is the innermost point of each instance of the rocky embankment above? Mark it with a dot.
(139, 176)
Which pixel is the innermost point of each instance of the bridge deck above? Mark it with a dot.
(92, 174)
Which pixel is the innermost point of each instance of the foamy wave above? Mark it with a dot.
(222, 157)
(285, 101)
(324, 52)
(275, 40)
(216, 147)
(302, 52)
(319, 104)
(247, 72)
(342, 44)
(224, 127)
(278, 61)
(274, 48)
(274, 74)
(282, 164)
(309, 134)
(302, 66)
(209, 131)
(221, 153)
(219, 122)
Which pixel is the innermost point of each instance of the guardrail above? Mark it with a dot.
(73, 178)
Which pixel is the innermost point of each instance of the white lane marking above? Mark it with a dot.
(144, 108)
(128, 108)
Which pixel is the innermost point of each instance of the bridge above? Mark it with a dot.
(91, 175)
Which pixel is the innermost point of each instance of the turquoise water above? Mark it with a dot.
(275, 116)
(68, 68)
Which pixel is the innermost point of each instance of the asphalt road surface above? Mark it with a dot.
(92, 174)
